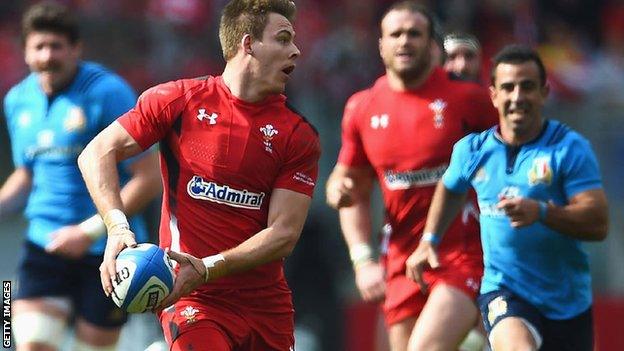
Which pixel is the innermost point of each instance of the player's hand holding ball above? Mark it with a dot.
(191, 274)
(143, 279)
(119, 237)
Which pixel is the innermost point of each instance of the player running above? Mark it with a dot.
(401, 132)
(239, 167)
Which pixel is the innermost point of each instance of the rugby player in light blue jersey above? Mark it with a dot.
(51, 115)
(540, 195)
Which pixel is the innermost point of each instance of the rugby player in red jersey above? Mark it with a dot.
(239, 168)
(401, 131)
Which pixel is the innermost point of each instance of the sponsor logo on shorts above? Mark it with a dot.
(200, 189)
(413, 178)
(472, 284)
(496, 308)
(189, 313)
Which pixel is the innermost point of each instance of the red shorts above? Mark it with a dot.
(403, 296)
(240, 320)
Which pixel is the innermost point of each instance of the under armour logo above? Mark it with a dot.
(212, 118)
(380, 121)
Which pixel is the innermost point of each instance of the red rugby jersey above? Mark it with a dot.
(407, 138)
(221, 158)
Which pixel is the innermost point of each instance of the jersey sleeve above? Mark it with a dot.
(300, 170)
(17, 146)
(154, 114)
(456, 177)
(481, 113)
(352, 152)
(117, 98)
(579, 167)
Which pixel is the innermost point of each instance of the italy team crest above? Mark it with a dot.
(75, 120)
(496, 308)
(540, 172)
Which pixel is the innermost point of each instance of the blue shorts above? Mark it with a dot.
(574, 334)
(41, 274)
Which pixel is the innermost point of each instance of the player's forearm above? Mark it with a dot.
(588, 221)
(98, 165)
(266, 246)
(137, 193)
(355, 222)
(445, 206)
(144, 185)
(287, 214)
(14, 192)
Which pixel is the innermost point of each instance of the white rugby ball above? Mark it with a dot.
(144, 278)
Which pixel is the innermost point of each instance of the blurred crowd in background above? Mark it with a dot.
(153, 41)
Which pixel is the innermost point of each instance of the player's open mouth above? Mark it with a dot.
(288, 70)
(518, 111)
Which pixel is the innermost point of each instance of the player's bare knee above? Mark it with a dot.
(514, 334)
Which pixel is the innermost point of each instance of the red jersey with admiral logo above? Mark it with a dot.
(221, 158)
(407, 137)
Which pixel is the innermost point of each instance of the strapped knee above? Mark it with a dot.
(38, 327)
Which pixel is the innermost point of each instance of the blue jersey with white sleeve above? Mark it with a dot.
(548, 269)
(47, 135)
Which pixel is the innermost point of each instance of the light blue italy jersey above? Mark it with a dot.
(48, 134)
(547, 268)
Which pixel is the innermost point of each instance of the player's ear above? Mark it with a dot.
(545, 90)
(246, 42)
(492, 90)
(77, 49)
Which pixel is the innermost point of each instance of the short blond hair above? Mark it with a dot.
(242, 17)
